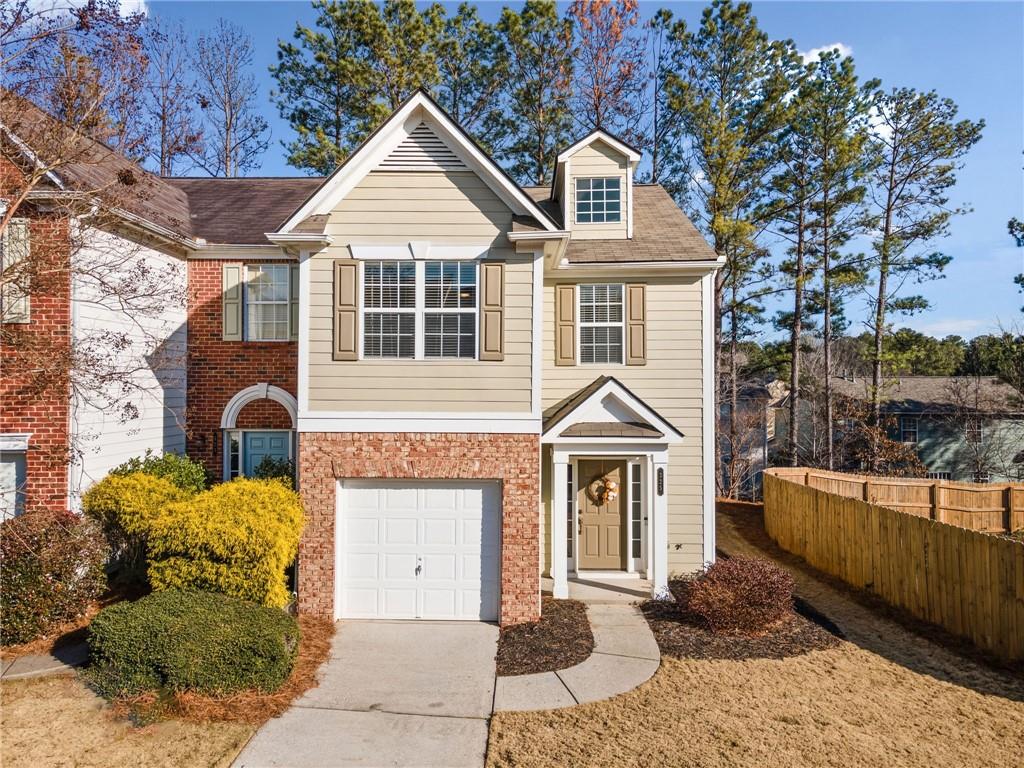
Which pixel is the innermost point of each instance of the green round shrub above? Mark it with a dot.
(190, 641)
(125, 506)
(188, 475)
(237, 538)
(51, 569)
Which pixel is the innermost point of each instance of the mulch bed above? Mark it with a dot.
(251, 707)
(684, 635)
(561, 639)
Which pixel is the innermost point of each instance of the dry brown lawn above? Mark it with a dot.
(57, 721)
(886, 696)
(840, 707)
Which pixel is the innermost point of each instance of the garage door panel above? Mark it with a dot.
(440, 533)
(361, 531)
(451, 530)
(399, 603)
(401, 531)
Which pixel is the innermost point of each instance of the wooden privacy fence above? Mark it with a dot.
(969, 582)
(989, 507)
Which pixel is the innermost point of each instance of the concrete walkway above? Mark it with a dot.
(62, 661)
(625, 655)
(398, 693)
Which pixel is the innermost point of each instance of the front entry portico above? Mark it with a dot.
(609, 502)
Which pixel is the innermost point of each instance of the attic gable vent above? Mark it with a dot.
(422, 150)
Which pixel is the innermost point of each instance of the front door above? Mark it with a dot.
(261, 445)
(601, 531)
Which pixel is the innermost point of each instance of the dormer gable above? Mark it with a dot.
(593, 183)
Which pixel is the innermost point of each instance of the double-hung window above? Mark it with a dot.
(601, 313)
(389, 301)
(908, 429)
(267, 297)
(598, 201)
(449, 322)
(419, 309)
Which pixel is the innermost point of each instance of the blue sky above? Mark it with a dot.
(972, 52)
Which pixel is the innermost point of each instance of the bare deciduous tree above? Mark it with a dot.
(235, 135)
(170, 99)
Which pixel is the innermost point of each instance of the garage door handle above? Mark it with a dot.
(419, 565)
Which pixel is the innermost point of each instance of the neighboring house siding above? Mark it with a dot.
(23, 407)
(156, 357)
(218, 369)
(598, 160)
(444, 208)
(942, 447)
(671, 383)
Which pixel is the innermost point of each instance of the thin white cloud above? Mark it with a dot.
(812, 55)
(954, 326)
(46, 7)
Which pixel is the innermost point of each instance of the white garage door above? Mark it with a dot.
(418, 550)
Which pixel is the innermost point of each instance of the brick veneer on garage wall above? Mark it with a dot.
(218, 369)
(512, 459)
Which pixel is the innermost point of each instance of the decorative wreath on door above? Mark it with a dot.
(602, 490)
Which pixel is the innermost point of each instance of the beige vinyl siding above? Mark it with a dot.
(598, 160)
(671, 383)
(446, 208)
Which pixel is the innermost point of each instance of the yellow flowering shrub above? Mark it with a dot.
(236, 538)
(125, 506)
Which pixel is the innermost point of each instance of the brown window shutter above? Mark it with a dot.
(231, 292)
(492, 311)
(293, 303)
(636, 325)
(346, 310)
(565, 325)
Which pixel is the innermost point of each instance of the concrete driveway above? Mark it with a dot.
(400, 693)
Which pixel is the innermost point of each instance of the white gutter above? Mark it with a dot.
(556, 234)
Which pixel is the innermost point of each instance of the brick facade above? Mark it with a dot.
(514, 460)
(218, 369)
(35, 360)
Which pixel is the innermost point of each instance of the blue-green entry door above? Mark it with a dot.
(259, 445)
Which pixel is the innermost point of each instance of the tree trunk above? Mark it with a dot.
(827, 330)
(794, 343)
(883, 279)
(733, 392)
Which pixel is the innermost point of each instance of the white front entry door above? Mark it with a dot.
(418, 550)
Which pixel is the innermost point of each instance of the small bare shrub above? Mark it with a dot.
(742, 594)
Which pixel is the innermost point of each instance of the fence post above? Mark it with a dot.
(935, 499)
(1009, 514)
(867, 491)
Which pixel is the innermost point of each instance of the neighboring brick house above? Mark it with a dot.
(481, 385)
(53, 306)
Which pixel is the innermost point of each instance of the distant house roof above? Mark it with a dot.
(936, 394)
(240, 210)
(661, 231)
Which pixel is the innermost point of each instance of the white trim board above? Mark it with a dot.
(707, 294)
(396, 422)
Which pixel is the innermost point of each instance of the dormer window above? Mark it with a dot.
(598, 200)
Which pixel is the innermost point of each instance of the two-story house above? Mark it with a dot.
(480, 384)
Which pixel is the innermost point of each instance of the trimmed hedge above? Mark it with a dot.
(237, 539)
(186, 474)
(742, 594)
(126, 506)
(190, 641)
(51, 569)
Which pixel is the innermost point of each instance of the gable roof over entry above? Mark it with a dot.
(605, 410)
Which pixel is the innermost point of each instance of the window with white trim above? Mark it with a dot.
(420, 309)
(908, 429)
(267, 302)
(601, 324)
(449, 323)
(389, 309)
(598, 200)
